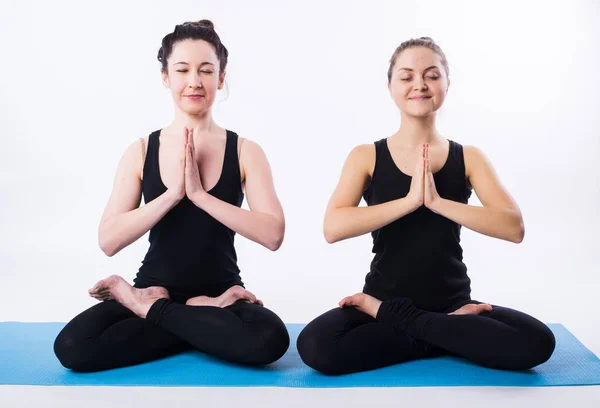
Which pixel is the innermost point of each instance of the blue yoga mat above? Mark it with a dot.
(26, 358)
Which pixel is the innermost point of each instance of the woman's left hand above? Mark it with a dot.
(430, 194)
(363, 302)
(193, 184)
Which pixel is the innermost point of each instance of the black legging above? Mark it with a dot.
(108, 335)
(346, 340)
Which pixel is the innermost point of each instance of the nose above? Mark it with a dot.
(419, 84)
(194, 81)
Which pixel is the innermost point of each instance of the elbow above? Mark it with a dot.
(106, 247)
(519, 233)
(108, 251)
(329, 231)
(330, 238)
(275, 244)
(330, 234)
(520, 236)
(276, 240)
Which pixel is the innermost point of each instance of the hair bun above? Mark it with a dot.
(202, 23)
(427, 39)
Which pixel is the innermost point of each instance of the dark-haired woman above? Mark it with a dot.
(416, 300)
(192, 175)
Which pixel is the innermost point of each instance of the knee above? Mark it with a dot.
(68, 352)
(73, 354)
(274, 342)
(544, 344)
(537, 348)
(278, 342)
(309, 347)
(318, 353)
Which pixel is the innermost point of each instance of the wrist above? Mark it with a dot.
(174, 197)
(413, 202)
(436, 205)
(199, 198)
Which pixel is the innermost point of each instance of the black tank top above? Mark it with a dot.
(191, 253)
(419, 255)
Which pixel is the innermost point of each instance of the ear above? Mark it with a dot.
(389, 86)
(221, 80)
(165, 79)
(448, 87)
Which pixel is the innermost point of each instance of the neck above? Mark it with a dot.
(201, 123)
(416, 130)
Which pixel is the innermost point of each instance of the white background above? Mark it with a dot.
(307, 81)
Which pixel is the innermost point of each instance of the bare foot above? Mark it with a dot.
(202, 301)
(473, 309)
(363, 302)
(229, 297)
(136, 300)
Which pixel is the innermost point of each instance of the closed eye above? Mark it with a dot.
(203, 71)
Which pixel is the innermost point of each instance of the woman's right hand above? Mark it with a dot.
(237, 293)
(417, 185)
(177, 189)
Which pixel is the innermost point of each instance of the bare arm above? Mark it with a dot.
(122, 221)
(343, 218)
(500, 217)
(265, 222)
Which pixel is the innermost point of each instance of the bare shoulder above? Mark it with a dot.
(364, 150)
(355, 177)
(251, 157)
(362, 157)
(474, 159)
(250, 152)
(248, 148)
(134, 155)
(472, 151)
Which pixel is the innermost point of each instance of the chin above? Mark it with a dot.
(190, 110)
(420, 113)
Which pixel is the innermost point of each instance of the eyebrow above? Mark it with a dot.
(185, 63)
(411, 70)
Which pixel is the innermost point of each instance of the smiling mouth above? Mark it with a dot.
(420, 98)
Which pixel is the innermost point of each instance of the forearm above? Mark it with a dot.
(261, 228)
(121, 230)
(502, 223)
(349, 222)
